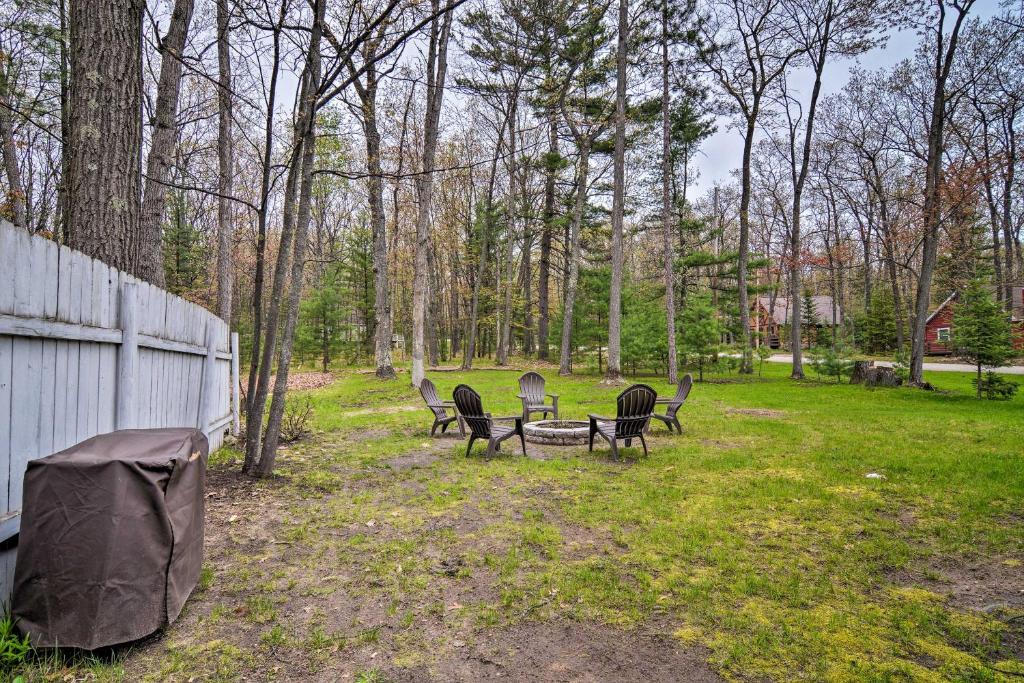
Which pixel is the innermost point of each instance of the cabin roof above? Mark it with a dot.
(782, 313)
(949, 300)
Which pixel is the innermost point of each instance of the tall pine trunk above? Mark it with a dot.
(573, 250)
(225, 164)
(105, 136)
(614, 371)
(666, 200)
(544, 268)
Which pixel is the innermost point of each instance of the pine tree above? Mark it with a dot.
(701, 331)
(981, 330)
(810, 319)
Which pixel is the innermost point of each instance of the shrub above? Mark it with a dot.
(995, 387)
(295, 421)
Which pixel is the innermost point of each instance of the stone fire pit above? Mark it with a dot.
(557, 432)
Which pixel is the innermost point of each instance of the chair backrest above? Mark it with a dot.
(429, 393)
(469, 405)
(531, 385)
(681, 393)
(633, 409)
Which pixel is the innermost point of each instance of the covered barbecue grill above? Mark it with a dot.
(111, 539)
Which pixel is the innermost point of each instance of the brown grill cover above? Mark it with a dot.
(111, 539)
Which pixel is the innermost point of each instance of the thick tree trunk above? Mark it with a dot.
(307, 143)
(573, 250)
(666, 200)
(226, 164)
(162, 144)
(105, 137)
(614, 372)
(437, 67)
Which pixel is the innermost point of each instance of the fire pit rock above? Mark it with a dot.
(557, 432)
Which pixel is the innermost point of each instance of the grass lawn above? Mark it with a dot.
(752, 547)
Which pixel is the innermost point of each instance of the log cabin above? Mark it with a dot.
(767, 323)
(939, 326)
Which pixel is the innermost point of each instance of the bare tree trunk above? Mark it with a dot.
(105, 131)
(226, 164)
(798, 189)
(15, 190)
(481, 268)
(573, 249)
(307, 143)
(666, 200)
(505, 329)
(614, 372)
(375, 189)
(437, 66)
(747, 362)
(251, 414)
(162, 144)
(254, 422)
(931, 217)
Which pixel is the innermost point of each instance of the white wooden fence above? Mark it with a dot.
(86, 349)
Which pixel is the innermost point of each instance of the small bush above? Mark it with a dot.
(995, 387)
(295, 422)
(831, 363)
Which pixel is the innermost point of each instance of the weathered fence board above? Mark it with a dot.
(86, 349)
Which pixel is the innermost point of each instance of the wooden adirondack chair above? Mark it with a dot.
(439, 408)
(482, 425)
(531, 393)
(634, 408)
(674, 403)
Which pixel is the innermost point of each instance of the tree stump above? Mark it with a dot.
(865, 372)
(860, 371)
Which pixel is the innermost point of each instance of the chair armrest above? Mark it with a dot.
(440, 405)
(509, 417)
(448, 403)
(664, 400)
(551, 395)
(599, 418)
(522, 396)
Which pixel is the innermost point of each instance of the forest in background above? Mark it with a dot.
(441, 181)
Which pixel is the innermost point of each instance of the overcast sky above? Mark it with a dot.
(722, 152)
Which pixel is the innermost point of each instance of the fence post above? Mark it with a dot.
(236, 386)
(127, 359)
(206, 403)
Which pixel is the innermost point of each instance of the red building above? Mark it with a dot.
(938, 328)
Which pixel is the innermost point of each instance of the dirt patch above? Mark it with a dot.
(992, 586)
(562, 651)
(756, 412)
(411, 460)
